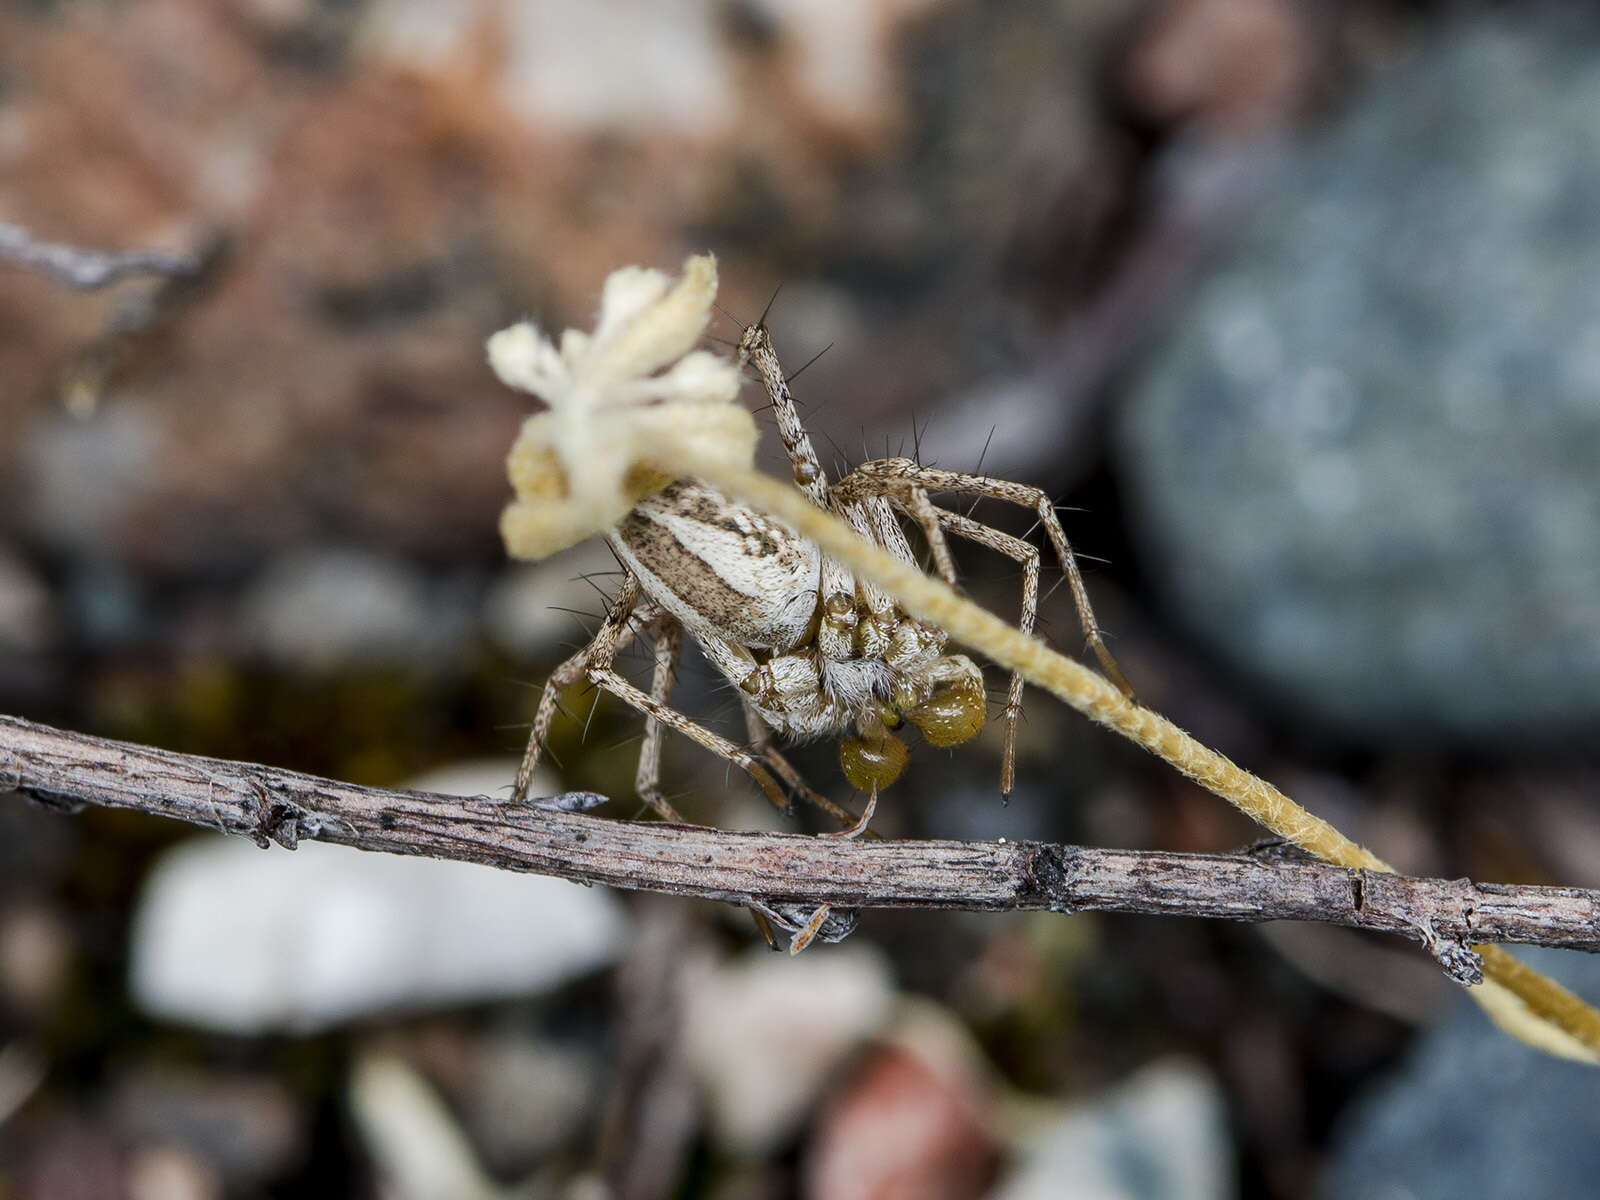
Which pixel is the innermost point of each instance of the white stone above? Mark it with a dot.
(420, 1151)
(764, 1033)
(248, 941)
(579, 66)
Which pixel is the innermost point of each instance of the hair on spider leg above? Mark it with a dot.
(582, 613)
(522, 727)
(978, 470)
(761, 320)
(587, 622)
(984, 453)
(771, 300)
(589, 577)
(593, 708)
(622, 743)
(793, 375)
(809, 407)
(551, 754)
(841, 460)
(917, 436)
(1044, 599)
(528, 725)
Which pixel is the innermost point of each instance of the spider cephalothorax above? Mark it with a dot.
(813, 651)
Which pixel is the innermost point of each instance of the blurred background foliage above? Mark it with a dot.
(1291, 302)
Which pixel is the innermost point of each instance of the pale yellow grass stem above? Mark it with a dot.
(1521, 1001)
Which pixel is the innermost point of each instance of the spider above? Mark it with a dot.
(812, 652)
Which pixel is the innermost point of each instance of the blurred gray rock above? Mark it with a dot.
(532, 610)
(1473, 1114)
(529, 1097)
(27, 620)
(322, 610)
(1364, 467)
(82, 478)
(247, 1128)
(1161, 1135)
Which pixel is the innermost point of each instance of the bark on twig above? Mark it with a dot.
(71, 770)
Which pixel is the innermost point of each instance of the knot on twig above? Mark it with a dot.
(1459, 960)
(631, 395)
(1047, 875)
(283, 821)
(278, 821)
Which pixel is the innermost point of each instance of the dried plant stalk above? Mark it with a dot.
(620, 428)
(1529, 1006)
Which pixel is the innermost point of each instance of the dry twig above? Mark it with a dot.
(70, 770)
(89, 269)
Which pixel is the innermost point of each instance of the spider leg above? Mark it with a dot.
(761, 741)
(870, 516)
(896, 476)
(607, 679)
(931, 519)
(860, 827)
(647, 780)
(615, 632)
(755, 348)
(596, 662)
(1024, 553)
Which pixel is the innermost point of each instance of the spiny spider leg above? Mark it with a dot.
(607, 679)
(755, 348)
(761, 742)
(895, 476)
(615, 632)
(869, 516)
(647, 779)
(934, 521)
(595, 662)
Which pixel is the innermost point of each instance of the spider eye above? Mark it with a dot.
(872, 762)
(952, 714)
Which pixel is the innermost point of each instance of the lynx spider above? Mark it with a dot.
(813, 652)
